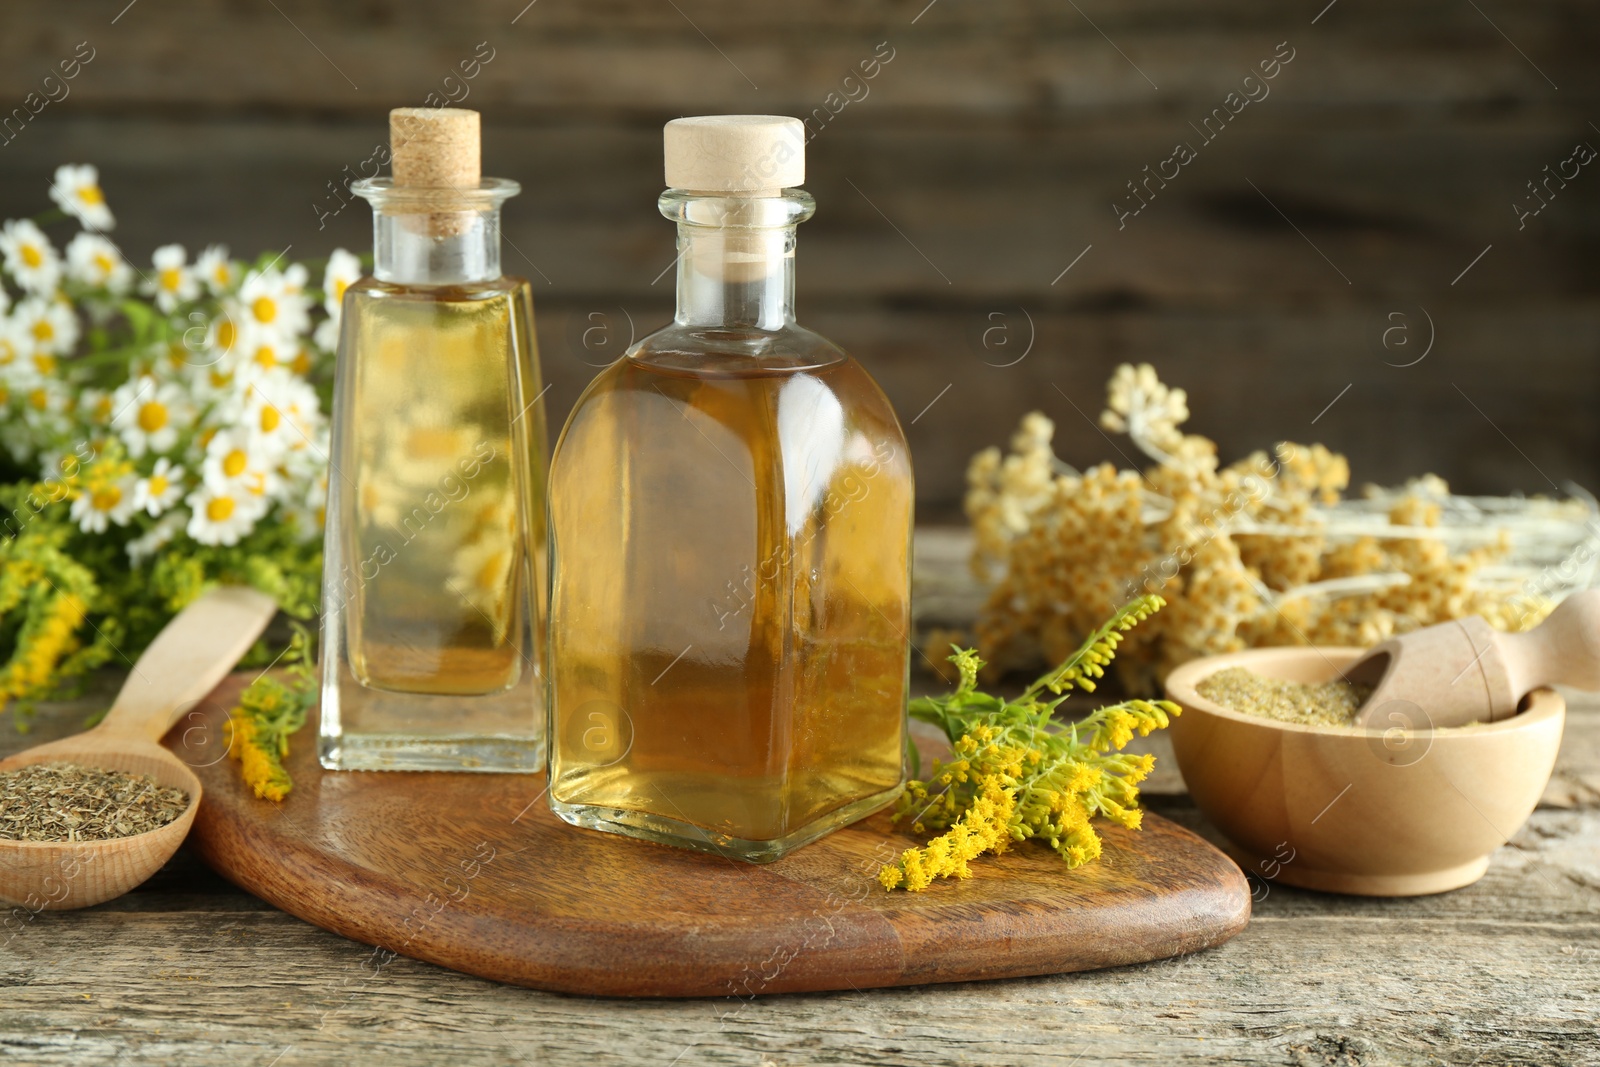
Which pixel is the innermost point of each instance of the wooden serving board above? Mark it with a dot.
(473, 872)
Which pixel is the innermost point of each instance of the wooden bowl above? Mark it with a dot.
(1400, 810)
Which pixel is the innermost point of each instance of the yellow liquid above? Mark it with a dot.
(731, 545)
(436, 530)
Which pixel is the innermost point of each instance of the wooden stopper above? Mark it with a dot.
(435, 147)
(735, 155)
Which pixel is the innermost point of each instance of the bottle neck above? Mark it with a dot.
(436, 249)
(424, 236)
(736, 258)
(735, 277)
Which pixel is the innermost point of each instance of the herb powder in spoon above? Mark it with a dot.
(69, 802)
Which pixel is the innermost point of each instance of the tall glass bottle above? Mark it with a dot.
(434, 564)
(730, 536)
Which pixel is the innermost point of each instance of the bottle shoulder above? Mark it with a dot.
(724, 352)
(630, 391)
(370, 288)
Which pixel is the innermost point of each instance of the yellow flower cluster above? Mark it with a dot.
(1263, 552)
(985, 826)
(259, 761)
(1014, 776)
(270, 710)
(45, 644)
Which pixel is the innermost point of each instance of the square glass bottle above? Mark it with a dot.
(433, 573)
(730, 516)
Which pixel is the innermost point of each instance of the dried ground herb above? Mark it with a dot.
(1320, 704)
(69, 802)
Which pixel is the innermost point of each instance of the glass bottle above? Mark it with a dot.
(434, 553)
(730, 537)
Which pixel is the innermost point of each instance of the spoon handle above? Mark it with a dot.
(190, 655)
(1562, 650)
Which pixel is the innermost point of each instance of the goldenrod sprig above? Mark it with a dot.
(270, 709)
(1089, 662)
(1014, 776)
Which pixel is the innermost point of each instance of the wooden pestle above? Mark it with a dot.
(1467, 671)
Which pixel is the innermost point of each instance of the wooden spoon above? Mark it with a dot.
(1467, 671)
(194, 652)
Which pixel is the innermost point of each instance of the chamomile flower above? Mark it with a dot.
(94, 407)
(279, 414)
(45, 325)
(212, 381)
(222, 337)
(94, 260)
(221, 515)
(216, 270)
(158, 536)
(235, 462)
(269, 352)
(11, 343)
(30, 257)
(99, 505)
(148, 414)
(77, 191)
(160, 489)
(45, 405)
(326, 335)
(272, 304)
(174, 282)
(344, 269)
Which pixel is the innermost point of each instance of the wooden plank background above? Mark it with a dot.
(982, 161)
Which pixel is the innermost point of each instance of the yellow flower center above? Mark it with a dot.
(91, 194)
(270, 418)
(104, 262)
(43, 331)
(39, 399)
(226, 334)
(171, 278)
(302, 362)
(339, 286)
(265, 309)
(102, 409)
(153, 415)
(44, 363)
(219, 508)
(234, 463)
(206, 435)
(159, 485)
(106, 498)
(219, 379)
(8, 352)
(267, 357)
(31, 256)
(223, 274)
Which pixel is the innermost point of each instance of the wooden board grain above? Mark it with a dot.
(473, 872)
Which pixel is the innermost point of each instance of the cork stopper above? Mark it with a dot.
(735, 155)
(435, 147)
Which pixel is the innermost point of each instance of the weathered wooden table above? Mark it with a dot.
(189, 969)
